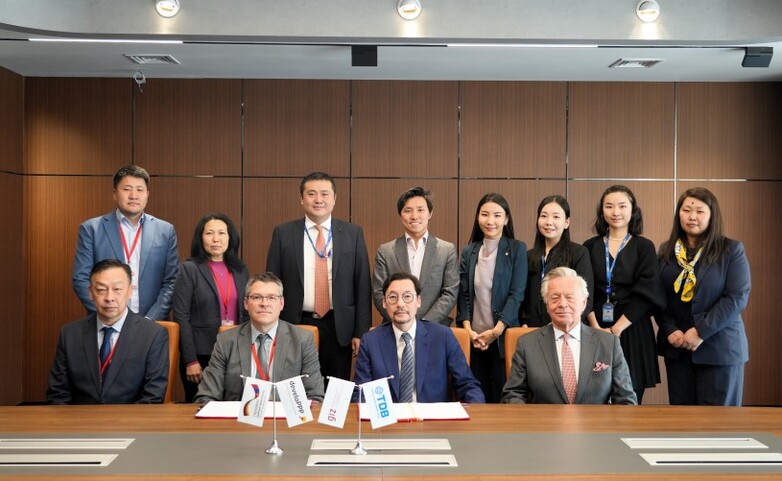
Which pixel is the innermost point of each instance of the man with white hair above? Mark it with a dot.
(567, 362)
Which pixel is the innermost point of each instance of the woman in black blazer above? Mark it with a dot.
(208, 293)
(491, 242)
(706, 280)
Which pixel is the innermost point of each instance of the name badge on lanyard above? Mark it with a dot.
(608, 307)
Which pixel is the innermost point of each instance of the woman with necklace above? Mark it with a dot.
(208, 293)
(627, 285)
(493, 275)
(553, 248)
(706, 279)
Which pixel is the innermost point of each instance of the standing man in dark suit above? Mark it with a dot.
(567, 362)
(324, 267)
(113, 356)
(147, 244)
(433, 261)
(432, 351)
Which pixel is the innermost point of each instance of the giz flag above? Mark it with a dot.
(294, 401)
(254, 398)
(379, 403)
(334, 410)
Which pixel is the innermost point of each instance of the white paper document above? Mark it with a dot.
(424, 411)
(230, 410)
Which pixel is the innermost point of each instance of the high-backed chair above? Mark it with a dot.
(173, 357)
(312, 329)
(464, 341)
(512, 335)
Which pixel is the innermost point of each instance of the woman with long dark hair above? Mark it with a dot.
(208, 293)
(493, 274)
(706, 279)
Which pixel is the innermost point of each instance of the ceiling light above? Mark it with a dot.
(167, 8)
(647, 10)
(409, 9)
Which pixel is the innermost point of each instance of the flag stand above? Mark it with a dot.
(274, 449)
(359, 448)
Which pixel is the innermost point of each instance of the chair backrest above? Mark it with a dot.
(463, 337)
(512, 335)
(312, 329)
(225, 328)
(173, 357)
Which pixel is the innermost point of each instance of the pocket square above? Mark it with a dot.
(600, 366)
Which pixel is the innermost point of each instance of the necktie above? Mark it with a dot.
(263, 351)
(568, 370)
(105, 350)
(406, 372)
(321, 275)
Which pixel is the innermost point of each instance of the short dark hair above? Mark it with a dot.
(414, 192)
(507, 230)
(262, 277)
(231, 256)
(107, 264)
(131, 171)
(400, 276)
(636, 225)
(317, 176)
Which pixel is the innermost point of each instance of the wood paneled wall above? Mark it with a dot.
(241, 147)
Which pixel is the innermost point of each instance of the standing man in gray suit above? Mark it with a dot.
(267, 348)
(433, 261)
(567, 362)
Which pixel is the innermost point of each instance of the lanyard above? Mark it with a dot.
(324, 254)
(542, 267)
(225, 298)
(264, 375)
(610, 265)
(104, 365)
(129, 253)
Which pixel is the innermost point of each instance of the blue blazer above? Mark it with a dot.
(437, 355)
(721, 294)
(508, 285)
(99, 239)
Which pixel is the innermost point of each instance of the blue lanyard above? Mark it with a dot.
(324, 254)
(610, 265)
(542, 267)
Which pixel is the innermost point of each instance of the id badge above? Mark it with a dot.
(608, 312)
(227, 322)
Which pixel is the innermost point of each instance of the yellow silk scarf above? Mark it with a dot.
(686, 280)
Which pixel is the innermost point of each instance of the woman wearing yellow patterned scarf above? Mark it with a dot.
(707, 282)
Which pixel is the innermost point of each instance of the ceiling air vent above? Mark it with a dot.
(635, 63)
(152, 59)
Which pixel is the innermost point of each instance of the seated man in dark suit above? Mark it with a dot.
(546, 361)
(267, 348)
(419, 354)
(113, 356)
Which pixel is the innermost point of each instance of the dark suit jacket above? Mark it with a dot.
(508, 285)
(351, 288)
(99, 239)
(138, 372)
(198, 308)
(535, 376)
(437, 355)
(439, 277)
(294, 354)
(721, 294)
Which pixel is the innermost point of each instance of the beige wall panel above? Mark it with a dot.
(294, 127)
(12, 289)
(77, 125)
(621, 130)
(189, 127)
(269, 202)
(730, 130)
(740, 203)
(405, 129)
(11, 120)
(513, 129)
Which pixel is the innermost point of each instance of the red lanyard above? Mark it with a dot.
(129, 253)
(264, 375)
(224, 297)
(104, 365)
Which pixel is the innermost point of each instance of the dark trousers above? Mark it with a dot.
(335, 360)
(489, 369)
(191, 388)
(703, 384)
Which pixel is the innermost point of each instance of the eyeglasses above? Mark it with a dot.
(260, 298)
(407, 297)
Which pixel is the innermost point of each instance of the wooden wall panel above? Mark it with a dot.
(373, 204)
(12, 289)
(621, 130)
(513, 129)
(405, 129)
(294, 127)
(11, 120)
(189, 127)
(77, 125)
(730, 130)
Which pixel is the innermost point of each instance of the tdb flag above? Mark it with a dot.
(336, 402)
(294, 401)
(253, 404)
(379, 403)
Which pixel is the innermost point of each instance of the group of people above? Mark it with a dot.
(593, 305)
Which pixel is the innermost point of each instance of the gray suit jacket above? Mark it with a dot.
(439, 277)
(295, 354)
(535, 376)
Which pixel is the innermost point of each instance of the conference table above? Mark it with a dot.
(499, 442)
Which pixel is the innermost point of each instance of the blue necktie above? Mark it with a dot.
(406, 371)
(105, 347)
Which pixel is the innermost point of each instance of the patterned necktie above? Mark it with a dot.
(568, 370)
(321, 275)
(406, 373)
(263, 352)
(105, 349)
